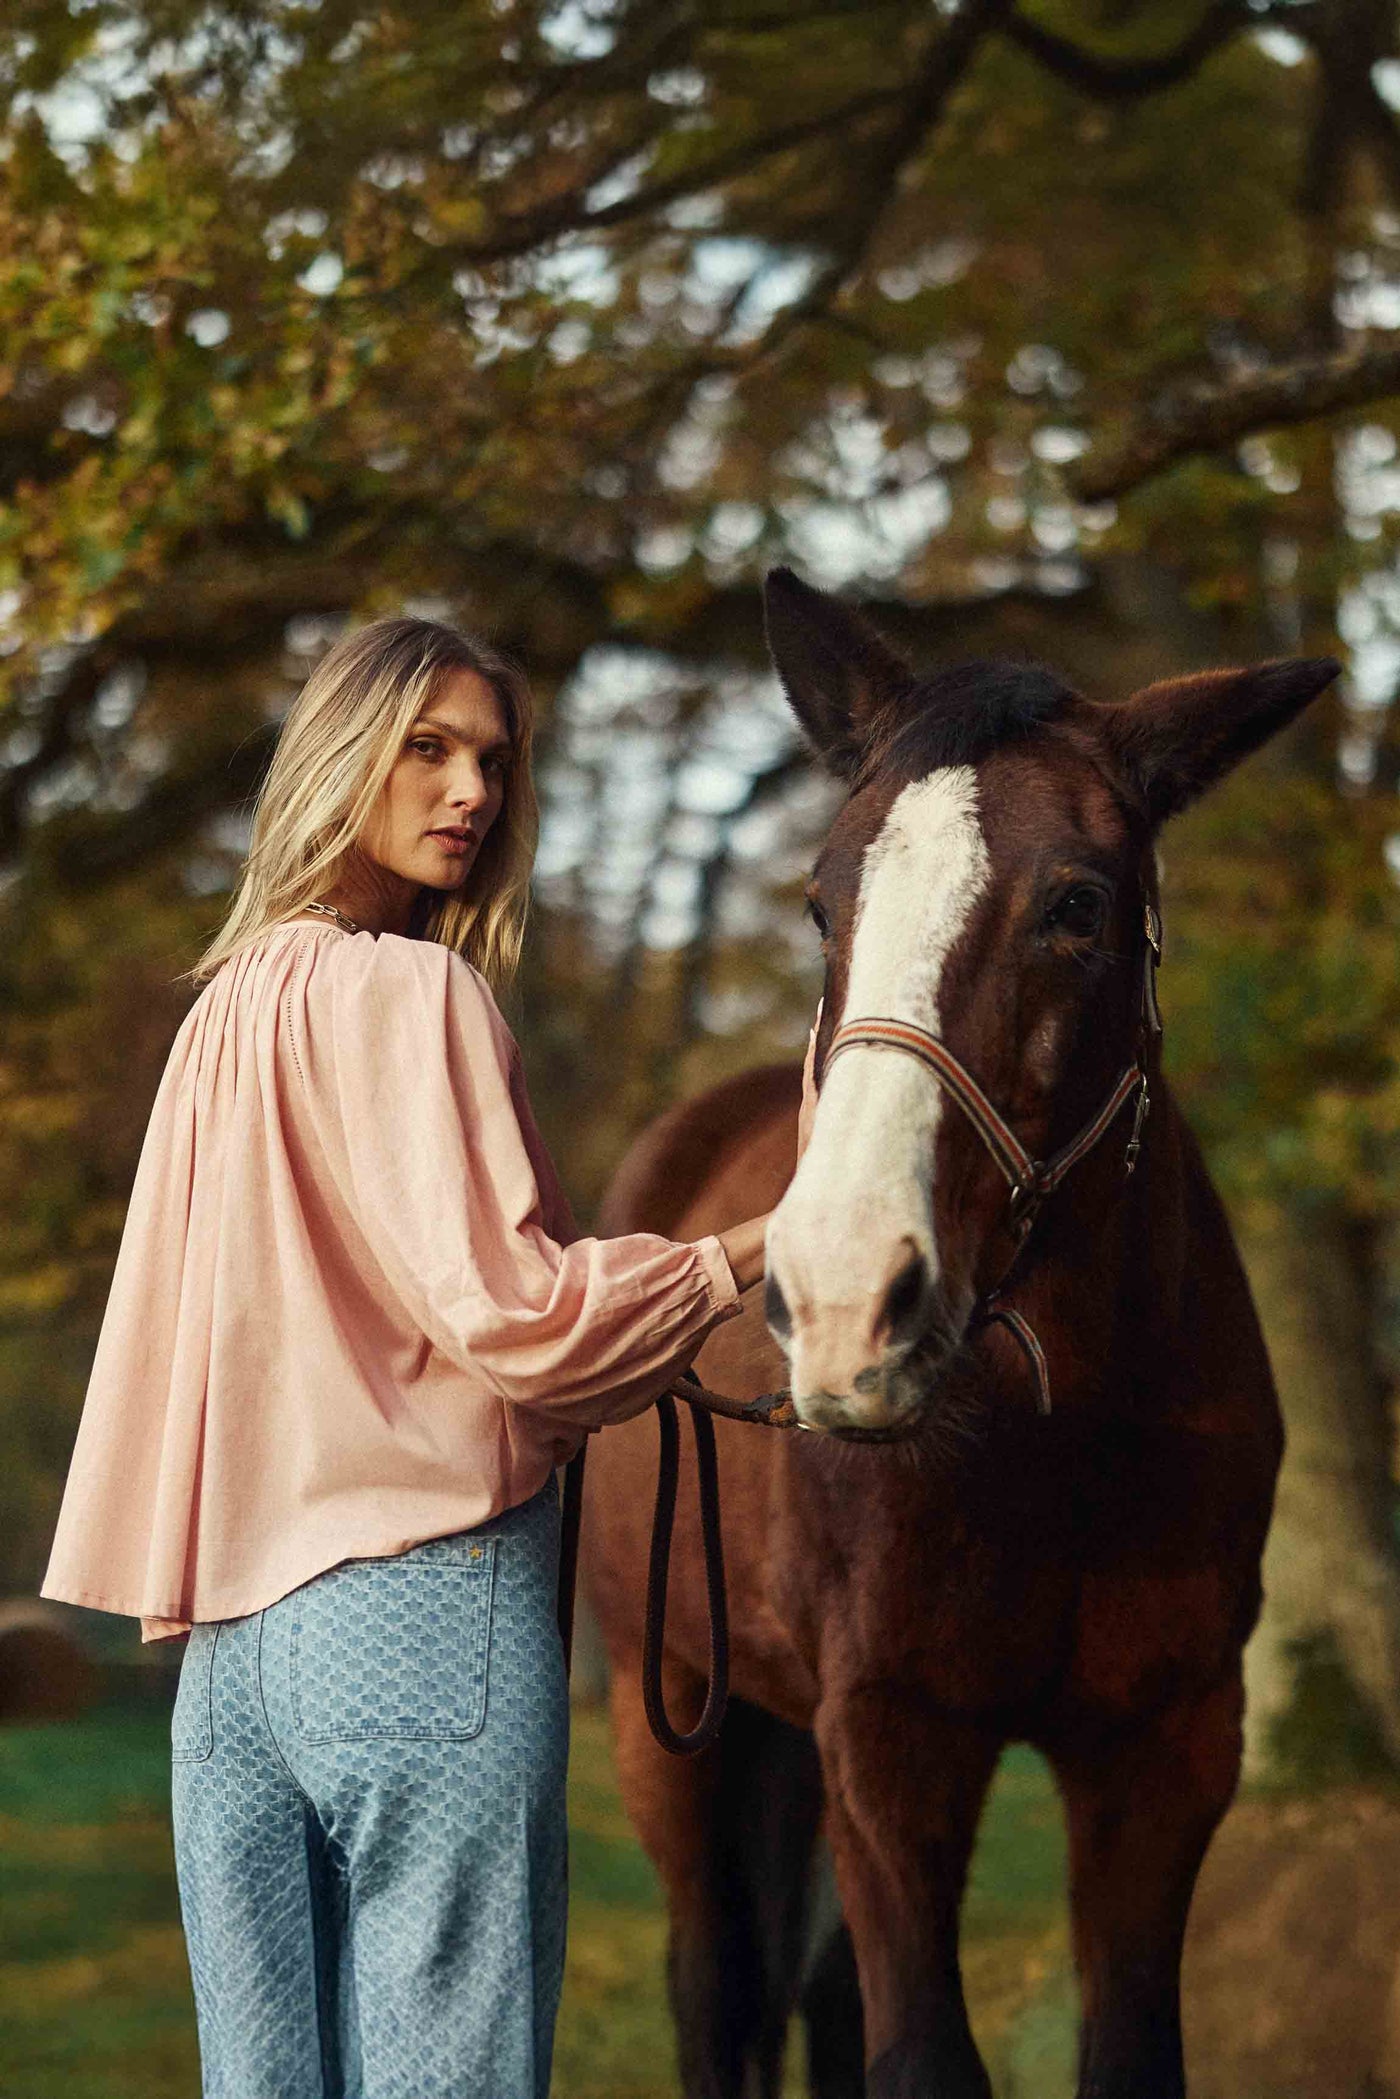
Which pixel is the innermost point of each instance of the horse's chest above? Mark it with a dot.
(973, 1598)
(1105, 1578)
(1168, 1549)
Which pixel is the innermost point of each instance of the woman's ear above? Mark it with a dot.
(1178, 737)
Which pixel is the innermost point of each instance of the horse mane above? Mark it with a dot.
(957, 714)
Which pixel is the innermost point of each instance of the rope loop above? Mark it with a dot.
(711, 1718)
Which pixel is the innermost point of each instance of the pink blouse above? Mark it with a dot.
(350, 1309)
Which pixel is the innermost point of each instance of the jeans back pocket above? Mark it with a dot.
(394, 1647)
(192, 1715)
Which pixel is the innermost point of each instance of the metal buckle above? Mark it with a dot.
(1026, 1198)
(1144, 1101)
(1151, 1011)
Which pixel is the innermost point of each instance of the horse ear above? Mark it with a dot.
(839, 675)
(1181, 735)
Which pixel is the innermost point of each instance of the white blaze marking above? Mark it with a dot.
(919, 882)
(866, 1175)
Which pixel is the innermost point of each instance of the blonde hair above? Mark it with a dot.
(337, 746)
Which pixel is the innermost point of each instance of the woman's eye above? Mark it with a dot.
(819, 918)
(1080, 913)
(496, 761)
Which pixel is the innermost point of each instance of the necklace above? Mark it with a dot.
(339, 916)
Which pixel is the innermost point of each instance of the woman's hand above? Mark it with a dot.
(745, 1245)
(809, 1091)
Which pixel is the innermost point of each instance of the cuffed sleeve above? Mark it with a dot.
(411, 1081)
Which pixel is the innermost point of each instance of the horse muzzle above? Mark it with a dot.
(890, 1396)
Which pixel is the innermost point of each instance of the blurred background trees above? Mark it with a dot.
(1064, 328)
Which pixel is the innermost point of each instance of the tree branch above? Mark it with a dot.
(58, 729)
(81, 847)
(920, 108)
(565, 213)
(1206, 416)
(1124, 79)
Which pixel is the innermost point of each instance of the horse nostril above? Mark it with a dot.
(905, 1298)
(775, 1309)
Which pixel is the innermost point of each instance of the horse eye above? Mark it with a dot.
(1080, 913)
(818, 917)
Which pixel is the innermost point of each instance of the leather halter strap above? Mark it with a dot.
(1030, 1179)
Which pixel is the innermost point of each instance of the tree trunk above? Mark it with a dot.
(1331, 1566)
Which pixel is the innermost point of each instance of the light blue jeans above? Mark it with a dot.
(367, 1785)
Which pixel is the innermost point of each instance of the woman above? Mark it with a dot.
(352, 1331)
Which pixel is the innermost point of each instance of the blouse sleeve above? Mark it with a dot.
(406, 1064)
(555, 1207)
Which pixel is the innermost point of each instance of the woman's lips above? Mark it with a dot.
(450, 843)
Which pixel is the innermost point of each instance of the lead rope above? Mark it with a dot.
(659, 1575)
(658, 1578)
(772, 1410)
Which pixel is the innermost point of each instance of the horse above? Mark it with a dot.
(1043, 1433)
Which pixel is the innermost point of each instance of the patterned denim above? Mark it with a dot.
(367, 1787)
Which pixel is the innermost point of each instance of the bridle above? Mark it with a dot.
(1031, 1180)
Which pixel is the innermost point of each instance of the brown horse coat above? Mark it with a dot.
(901, 1610)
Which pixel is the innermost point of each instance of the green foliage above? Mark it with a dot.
(1282, 988)
(471, 282)
(89, 1012)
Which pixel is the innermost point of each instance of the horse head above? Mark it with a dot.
(986, 886)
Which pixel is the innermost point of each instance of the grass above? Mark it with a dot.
(94, 1986)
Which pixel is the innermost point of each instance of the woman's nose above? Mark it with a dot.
(470, 787)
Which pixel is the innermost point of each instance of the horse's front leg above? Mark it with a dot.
(1140, 1819)
(904, 1787)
